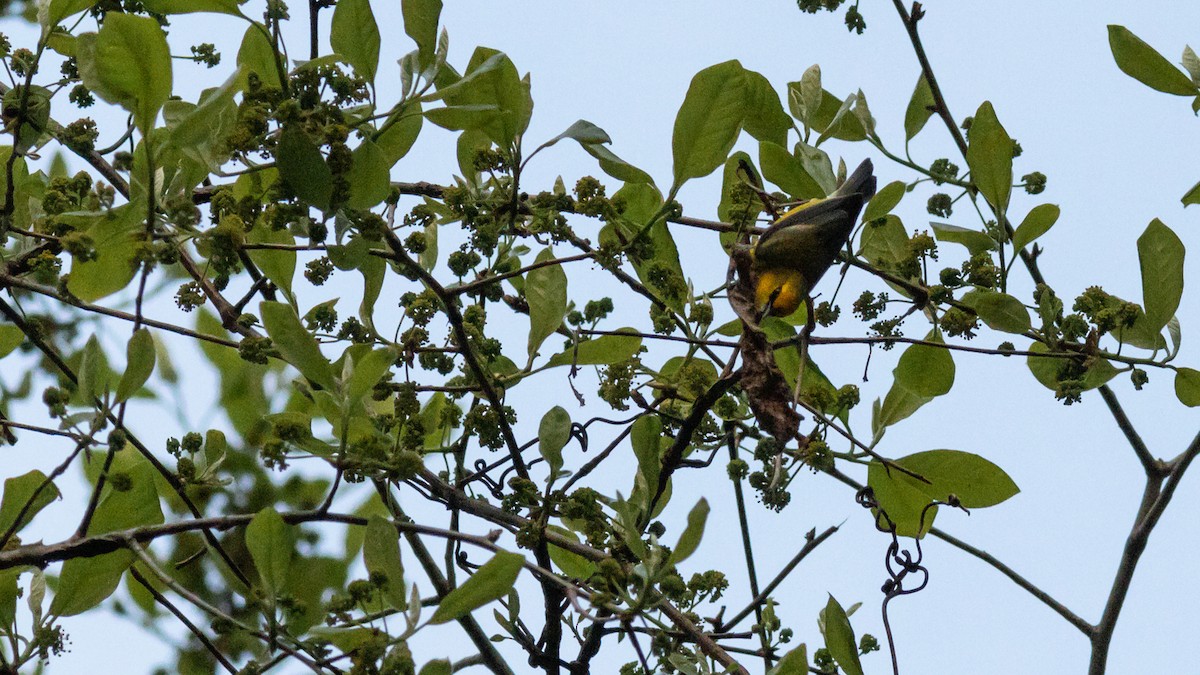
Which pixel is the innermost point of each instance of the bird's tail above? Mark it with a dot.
(861, 182)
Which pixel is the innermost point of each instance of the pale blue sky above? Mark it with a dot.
(1117, 155)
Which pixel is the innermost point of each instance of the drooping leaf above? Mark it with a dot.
(270, 540)
(645, 437)
(296, 344)
(546, 291)
(490, 582)
(86, 582)
(139, 364)
(303, 168)
(922, 373)
(553, 434)
(976, 242)
(616, 167)
(920, 108)
(369, 176)
(689, 540)
(1187, 386)
(381, 555)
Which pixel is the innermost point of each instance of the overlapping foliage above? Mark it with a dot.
(406, 384)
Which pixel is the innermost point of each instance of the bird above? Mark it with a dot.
(796, 250)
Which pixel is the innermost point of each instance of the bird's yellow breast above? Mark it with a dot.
(790, 286)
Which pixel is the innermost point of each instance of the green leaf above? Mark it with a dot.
(783, 169)
(920, 108)
(1047, 369)
(86, 582)
(398, 134)
(303, 168)
(420, 24)
(708, 121)
(885, 243)
(1037, 222)
(381, 555)
(689, 540)
(553, 434)
(806, 96)
(257, 55)
(496, 84)
(278, 266)
(93, 368)
(602, 351)
(11, 337)
(615, 166)
(840, 116)
(765, 118)
(128, 63)
(546, 291)
(115, 234)
(50, 14)
(839, 638)
(21, 490)
(1192, 196)
(976, 242)
(139, 364)
(437, 667)
(975, 481)
(1160, 253)
(795, 662)
(903, 499)
(296, 344)
(923, 373)
(230, 7)
(368, 370)
(1187, 386)
(370, 179)
(884, 201)
(491, 582)
(475, 116)
(990, 156)
(646, 439)
(583, 132)
(354, 34)
(270, 540)
(1000, 311)
(572, 564)
(1141, 62)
